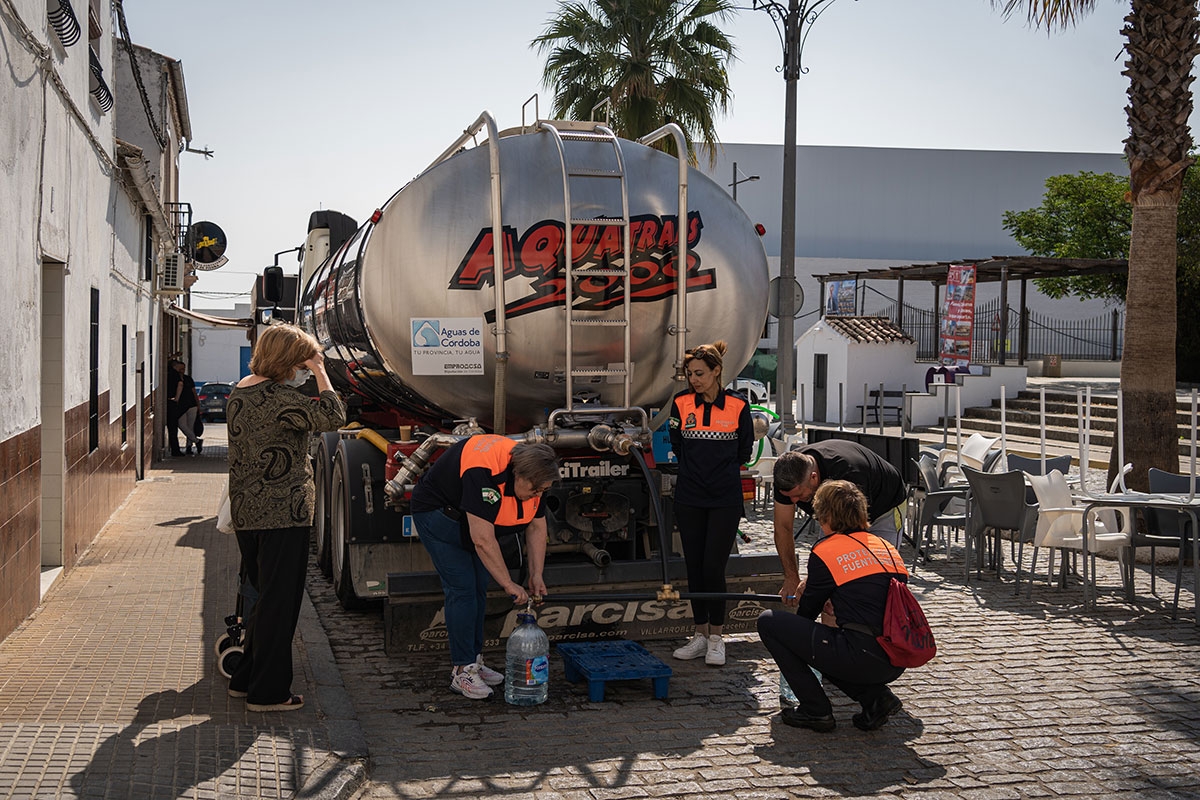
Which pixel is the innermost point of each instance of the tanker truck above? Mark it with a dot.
(544, 283)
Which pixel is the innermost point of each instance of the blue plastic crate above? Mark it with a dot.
(613, 660)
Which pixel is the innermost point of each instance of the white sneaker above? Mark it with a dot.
(693, 649)
(715, 652)
(489, 675)
(469, 683)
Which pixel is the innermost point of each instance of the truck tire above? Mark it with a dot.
(322, 474)
(347, 511)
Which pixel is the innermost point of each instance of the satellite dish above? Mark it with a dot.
(208, 245)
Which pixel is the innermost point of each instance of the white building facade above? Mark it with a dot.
(84, 213)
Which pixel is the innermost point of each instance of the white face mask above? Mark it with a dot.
(299, 379)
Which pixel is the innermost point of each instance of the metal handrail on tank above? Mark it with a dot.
(601, 133)
(500, 328)
(672, 129)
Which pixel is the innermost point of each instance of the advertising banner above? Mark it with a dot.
(840, 298)
(958, 317)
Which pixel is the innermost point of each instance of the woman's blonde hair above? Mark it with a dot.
(280, 349)
(841, 507)
(710, 354)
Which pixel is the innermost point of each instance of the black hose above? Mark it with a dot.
(664, 547)
(578, 598)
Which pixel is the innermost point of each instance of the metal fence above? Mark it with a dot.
(1099, 338)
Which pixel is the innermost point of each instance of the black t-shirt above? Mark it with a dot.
(485, 487)
(187, 397)
(841, 459)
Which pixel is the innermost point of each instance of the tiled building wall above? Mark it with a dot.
(96, 483)
(20, 521)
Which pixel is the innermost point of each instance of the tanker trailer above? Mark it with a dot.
(529, 283)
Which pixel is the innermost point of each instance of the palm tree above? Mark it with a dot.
(656, 61)
(1161, 42)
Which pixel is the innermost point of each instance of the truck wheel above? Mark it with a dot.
(322, 472)
(347, 513)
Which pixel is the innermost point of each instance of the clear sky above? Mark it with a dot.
(313, 105)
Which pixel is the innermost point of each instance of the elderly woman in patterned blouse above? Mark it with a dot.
(271, 498)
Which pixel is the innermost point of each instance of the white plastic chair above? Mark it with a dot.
(974, 453)
(764, 471)
(1060, 524)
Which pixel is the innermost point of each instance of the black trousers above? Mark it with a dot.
(172, 430)
(280, 557)
(707, 538)
(850, 660)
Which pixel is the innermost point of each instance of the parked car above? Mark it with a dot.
(754, 390)
(213, 398)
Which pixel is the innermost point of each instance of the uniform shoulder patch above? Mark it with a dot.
(491, 496)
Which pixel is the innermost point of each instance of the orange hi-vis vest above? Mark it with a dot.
(494, 453)
(703, 421)
(856, 555)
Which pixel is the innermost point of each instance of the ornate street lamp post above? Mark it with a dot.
(797, 20)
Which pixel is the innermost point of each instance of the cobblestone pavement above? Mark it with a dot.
(1030, 696)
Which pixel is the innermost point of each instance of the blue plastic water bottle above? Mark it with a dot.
(527, 663)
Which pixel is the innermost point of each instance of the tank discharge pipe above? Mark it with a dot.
(600, 558)
(415, 464)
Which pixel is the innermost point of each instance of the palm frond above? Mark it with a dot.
(1048, 14)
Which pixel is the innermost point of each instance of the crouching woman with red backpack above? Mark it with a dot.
(850, 573)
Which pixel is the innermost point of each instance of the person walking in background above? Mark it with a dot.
(171, 433)
(271, 499)
(481, 489)
(186, 406)
(711, 433)
(850, 570)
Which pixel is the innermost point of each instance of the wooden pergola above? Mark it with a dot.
(987, 270)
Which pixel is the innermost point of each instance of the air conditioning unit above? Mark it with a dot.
(170, 280)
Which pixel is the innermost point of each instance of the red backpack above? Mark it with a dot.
(907, 638)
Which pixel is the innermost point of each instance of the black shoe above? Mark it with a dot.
(802, 719)
(199, 446)
(876, 713)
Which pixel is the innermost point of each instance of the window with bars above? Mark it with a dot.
(94, 374)
(63, 21)
(97, 87)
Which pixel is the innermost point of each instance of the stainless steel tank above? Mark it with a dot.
(423, 269)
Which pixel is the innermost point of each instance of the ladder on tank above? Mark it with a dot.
(617, 277)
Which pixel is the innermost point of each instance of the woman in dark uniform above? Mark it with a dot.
(850, 570)
(711, 434)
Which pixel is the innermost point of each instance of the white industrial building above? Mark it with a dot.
(862, 208)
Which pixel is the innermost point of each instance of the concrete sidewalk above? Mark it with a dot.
(110, 689)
